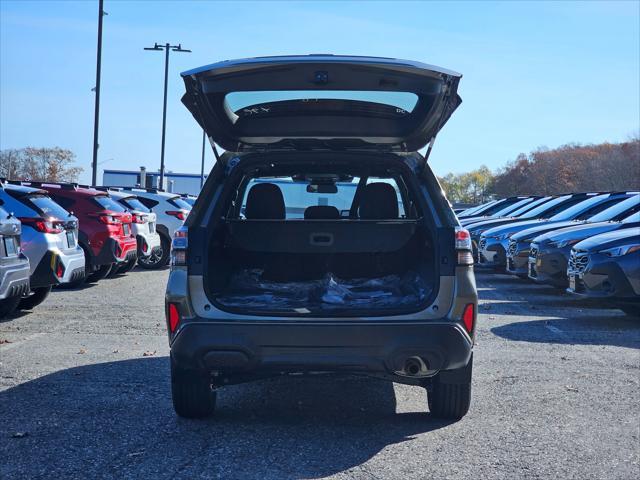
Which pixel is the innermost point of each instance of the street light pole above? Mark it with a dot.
(96, 118)
(166, 47)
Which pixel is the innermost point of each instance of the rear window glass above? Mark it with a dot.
(109, 203)
(297, 197)
(133, 203)
(180, 203)
(404, 101)
(47, 207)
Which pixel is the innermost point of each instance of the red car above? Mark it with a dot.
(104, 226)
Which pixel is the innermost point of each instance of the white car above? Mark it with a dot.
(171, 211)
(143, 228)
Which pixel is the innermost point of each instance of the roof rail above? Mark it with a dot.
(34, 183)
(146, 189)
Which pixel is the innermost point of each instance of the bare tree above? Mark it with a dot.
(39, 164)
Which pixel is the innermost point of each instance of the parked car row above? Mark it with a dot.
(587, 243)
(65, 234)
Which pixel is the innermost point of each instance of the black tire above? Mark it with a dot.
(159, 258)
(100, 273)
(35, 298)
(191, 393)
(450, 395)
(127, 267)
(8, 306)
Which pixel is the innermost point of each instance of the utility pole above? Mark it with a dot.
(166, 47)
(96, 118)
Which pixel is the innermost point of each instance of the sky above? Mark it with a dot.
(534, 74)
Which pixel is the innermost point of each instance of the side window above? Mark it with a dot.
(65, 203)
(597, 209)
(561, 207)
(147, 202)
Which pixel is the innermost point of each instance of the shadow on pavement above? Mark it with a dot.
(620, 331)
(115, 420)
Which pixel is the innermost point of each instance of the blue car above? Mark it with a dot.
(549, 253)
(607, 266)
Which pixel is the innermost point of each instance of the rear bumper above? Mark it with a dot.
(116, 251)
(53, 262)
(14, 278)
(258, 349)
(147, 243)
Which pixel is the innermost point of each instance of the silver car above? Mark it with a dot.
(143, 227)
(14, 265)
(49, 239)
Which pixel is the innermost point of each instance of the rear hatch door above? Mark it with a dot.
(321, 101)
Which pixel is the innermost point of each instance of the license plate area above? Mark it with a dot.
(10, 246)
(71, 239)
(532, 269)
(126, 229)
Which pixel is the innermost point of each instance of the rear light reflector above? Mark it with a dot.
(140, 218)
(174, 317)
(468, 317)
(465, 258)
(179, 214)
(42, 225)
(463, 246)
(179, 247)
(109, 219)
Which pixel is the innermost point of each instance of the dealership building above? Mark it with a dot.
(173, 182)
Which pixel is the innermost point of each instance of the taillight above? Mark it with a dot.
(109, 219)
(174, 317)
(42, 225)
(179, 214)
(137, 218)
(468, 317)
(463, 246)
(179, 247)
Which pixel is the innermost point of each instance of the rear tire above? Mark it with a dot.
(191, 393)
(451, 400)
(127, 267)
(159, 258)
(100, 273)
(35, 298)
(8, 306)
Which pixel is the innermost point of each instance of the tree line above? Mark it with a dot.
(39, 164)
(569, 168)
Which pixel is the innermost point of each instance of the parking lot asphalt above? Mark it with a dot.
(84, 393)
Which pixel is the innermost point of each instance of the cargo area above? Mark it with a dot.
(321, 244)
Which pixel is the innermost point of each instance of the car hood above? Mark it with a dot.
(578, 232)
(321, 101)
(511, 227)
(479, 227)
(615, 238)
(544, 227)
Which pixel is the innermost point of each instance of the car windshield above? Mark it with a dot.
(572, 212)
(109, 203)
(634, 217)
(512, 208)
(617, 210)
(47, 207)
(132, 203)
(528, 206)
(541, 209)
(180, 203)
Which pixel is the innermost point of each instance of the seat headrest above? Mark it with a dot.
(379, 202)
(265, 202)
(321, 212)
